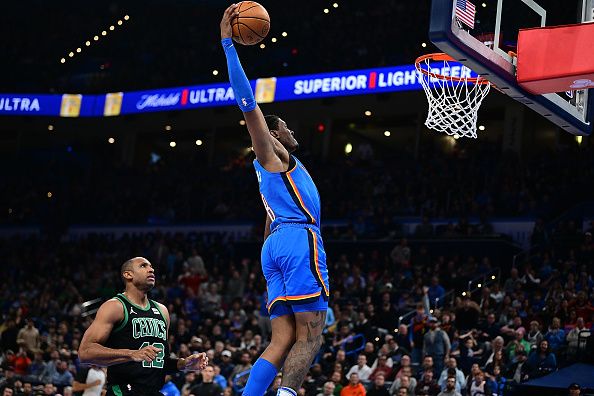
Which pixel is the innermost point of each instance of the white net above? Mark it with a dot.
(454, 100)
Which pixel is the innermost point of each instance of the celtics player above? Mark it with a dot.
(129, 335)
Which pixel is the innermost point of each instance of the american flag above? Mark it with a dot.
(465, 12)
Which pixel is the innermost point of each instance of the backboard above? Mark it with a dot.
(485, 48)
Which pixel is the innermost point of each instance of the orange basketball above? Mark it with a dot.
(252, 24)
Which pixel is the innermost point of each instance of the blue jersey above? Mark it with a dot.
(289, 197)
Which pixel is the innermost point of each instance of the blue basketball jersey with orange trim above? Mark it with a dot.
(289, 197)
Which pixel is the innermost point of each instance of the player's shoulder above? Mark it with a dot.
(111, 310)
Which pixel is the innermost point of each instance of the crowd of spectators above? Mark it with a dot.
(524, 325)
(177, 43)
(480, 184)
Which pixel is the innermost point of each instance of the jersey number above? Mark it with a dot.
(158, 362)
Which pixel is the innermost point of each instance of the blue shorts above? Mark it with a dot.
(294, 265)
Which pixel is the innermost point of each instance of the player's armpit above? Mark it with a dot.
(262, 141)
(91, 348)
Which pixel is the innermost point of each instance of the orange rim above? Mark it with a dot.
(440, 56)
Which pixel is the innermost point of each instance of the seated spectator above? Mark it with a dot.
(450, 388)
(573, 336)
(512, 347)
(207, 387)
(534, 335)
(328, 389)
(354, 387)
(452, 369)
(361, 368)
(427, 385)
(62, 377)
(410, 383)
(555, 336)
(542, 361)
(478, 386)
(519, 370)
(382, 368)
(497, 382)
(379, 386)
(427, 366)
(336, 379)
(405, 362)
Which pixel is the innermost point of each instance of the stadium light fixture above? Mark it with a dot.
(423, 45)
(120, 22)
(285, 34)
(481, 128)
(50, 127)
(96, 38)
(49, 194)
(387, 133)
(111, 27)
(273, 40)
(104, 33)
(87, 43)
(111, 140)
(335, 5)
(63, 60)
(348, 148)
(172, 144)
(78, 50)
(368, 113)
(199, 142)
(326, 10)
(262, 45)
(126, 17)
(579, 139)
(167, 127)
(71, 54)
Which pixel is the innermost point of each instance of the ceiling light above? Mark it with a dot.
(49, 194)
(335, 5)
(198, 142)
(167, 127)
(284, 34)
(326, 10)
(104, 33)
(387, 133)
(348, 148)
(423, 45)
(96, 38)
(111, 27)
(71, 54)
(481, 127)
(120, 22)
(62, 60)
(241, 122)
(368, 113)
(126, 17)
(262, 45)
(111, 140)
(172, 144)
(50, 127)
(78, 50)
(87, 43)
(273, 40)
(215, 72)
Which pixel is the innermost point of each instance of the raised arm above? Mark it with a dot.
(92, 349)
(261, 138)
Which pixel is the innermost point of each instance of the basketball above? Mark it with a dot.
(252, 24)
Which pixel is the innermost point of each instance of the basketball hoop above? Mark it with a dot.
(453, 100)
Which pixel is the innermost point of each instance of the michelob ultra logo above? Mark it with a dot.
(113, 104)
(265, 90)
(70, 106)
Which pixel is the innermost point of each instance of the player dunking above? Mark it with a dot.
(293, 257)
(129, 335)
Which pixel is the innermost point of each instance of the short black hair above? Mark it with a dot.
(272, 122)
(127, 266)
